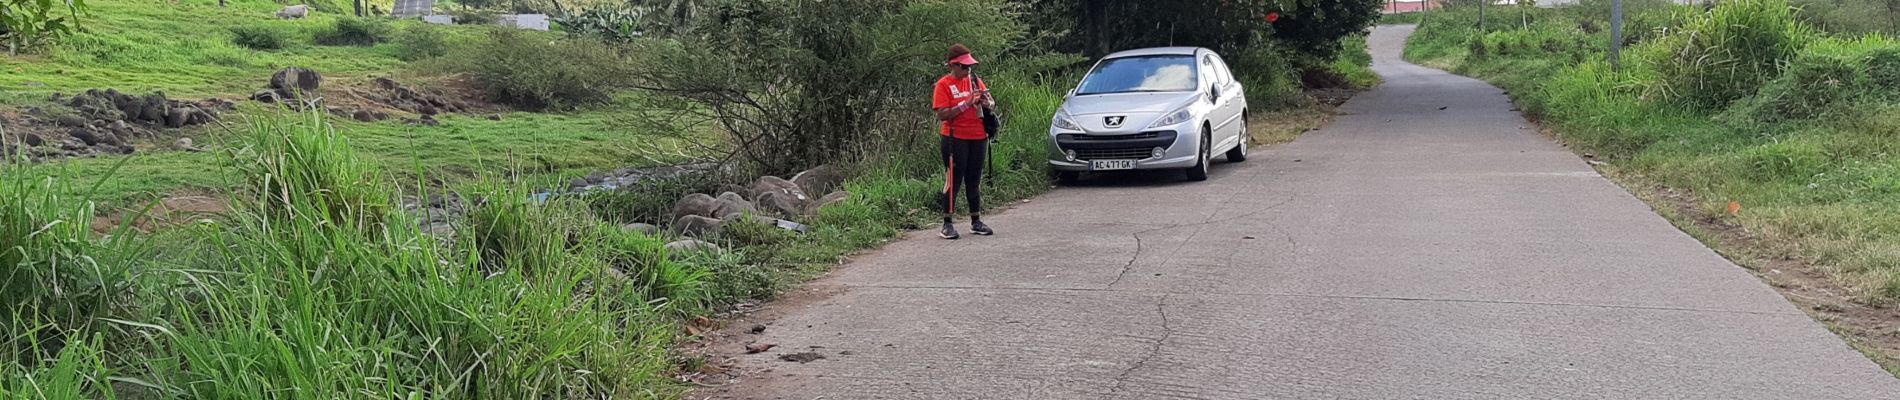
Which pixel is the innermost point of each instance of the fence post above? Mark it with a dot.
(1616, 35)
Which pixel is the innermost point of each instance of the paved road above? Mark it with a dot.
(1404, 251)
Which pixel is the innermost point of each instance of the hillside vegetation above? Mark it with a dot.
(1770, 137)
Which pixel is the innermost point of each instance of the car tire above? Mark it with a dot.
(1066, 178)
(1239, 152)
(1198, 172)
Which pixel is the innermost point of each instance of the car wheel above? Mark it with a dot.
(1067, 177)
(1198, 172)
(1239, 152)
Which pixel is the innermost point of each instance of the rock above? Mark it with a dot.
(828, 200)
(429, 120)
(757, 348)
(120, 128)
(781, 204)
(820, 179)
(296, 82)
(177, 117)
(684, 246)
(33, 140)
(439, 229)
(87, 136)
(494, 117)
(695, 204)
(730, 203)
(70, 121)
(644, 229)
(293, 12)
(427, 110)
(184, 144)
(768, 183)
(363, 116)
(695, 226)
(267, 96)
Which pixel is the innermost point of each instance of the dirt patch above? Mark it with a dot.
(174, 210)
(380, 98)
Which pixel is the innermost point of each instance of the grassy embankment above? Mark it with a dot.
(1769, 139)
(186, 50)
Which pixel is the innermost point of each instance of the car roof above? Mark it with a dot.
(1157, 51)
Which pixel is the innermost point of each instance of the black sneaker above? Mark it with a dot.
(977, 227)
(949, 232)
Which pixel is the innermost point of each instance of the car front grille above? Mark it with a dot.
(1143, 135)
(1114, 154)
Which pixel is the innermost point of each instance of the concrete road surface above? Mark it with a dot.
(1428, 244)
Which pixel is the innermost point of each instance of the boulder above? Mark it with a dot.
(494, 117)
(296, 82)
(267, 96)
(87, 136)
(768, 184)
(730, 203)
(644, 229)
(781, 204)
(294, 12)
(695, 226)
(820, 179)
(363, 116)
(177, 117)
(695, 204)
(829, 199)
(120, 128)
(71, 121)
(688, 246)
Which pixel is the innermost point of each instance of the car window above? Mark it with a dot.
(1220, 68)
(1167, 73)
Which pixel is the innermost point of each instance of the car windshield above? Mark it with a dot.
(1171, 73)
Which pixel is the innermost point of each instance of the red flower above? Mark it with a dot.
(1273, 16)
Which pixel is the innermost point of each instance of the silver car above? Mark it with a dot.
(1159, 108)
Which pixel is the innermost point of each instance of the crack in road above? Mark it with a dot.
(1167, 331)
(1139, 246)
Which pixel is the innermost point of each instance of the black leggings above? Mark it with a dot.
(963, 161)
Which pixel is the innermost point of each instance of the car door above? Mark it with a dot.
(1226, 110)
(1234, 99)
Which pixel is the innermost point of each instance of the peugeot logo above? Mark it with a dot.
(1113, 122)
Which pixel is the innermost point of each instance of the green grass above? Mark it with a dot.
(1816, 170)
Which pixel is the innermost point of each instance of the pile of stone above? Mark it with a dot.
(769, 200)
(106, 121)
(103, 107)
(393, 94)
(296, 87)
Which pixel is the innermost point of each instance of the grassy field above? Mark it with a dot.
(1787, 165)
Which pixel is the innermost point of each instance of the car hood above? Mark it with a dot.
(1127, 103)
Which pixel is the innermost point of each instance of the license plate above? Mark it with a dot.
(1110, 165)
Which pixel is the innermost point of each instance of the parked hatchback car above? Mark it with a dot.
(1158, 108)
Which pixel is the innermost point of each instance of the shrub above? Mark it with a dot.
(258, 37)
(1827, 77)
(526, 70)
(56, 277)
(417, 42)
(354, 32)
(1730, 52)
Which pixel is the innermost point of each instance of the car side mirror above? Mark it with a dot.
(1213, 93)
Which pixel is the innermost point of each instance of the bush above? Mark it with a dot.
(417, 42)
(258, 37)
(354, 32)
(1730, 52)
(526, 70)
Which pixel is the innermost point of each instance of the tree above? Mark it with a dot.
(27, 23)
(1098, 27)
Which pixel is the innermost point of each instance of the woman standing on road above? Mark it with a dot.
(958, 99)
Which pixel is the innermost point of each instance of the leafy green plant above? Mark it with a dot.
(354, 32)
(27, 23)
(258, 37)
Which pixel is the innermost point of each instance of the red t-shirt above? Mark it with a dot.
(950, 92)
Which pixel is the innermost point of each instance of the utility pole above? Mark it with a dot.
(1616, 34)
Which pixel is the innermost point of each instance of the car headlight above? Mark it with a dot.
(1172, 118)
(1064, 122)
